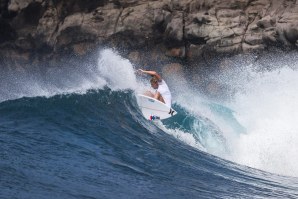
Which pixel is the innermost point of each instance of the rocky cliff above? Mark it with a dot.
(45, 30)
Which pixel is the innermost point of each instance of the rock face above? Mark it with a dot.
(41, 30)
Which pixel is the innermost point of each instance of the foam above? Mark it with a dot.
(269, 111)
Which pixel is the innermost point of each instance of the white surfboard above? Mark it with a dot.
(153, 109)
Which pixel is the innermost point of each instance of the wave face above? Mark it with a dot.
(73, 134)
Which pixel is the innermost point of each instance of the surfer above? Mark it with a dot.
(162, 92)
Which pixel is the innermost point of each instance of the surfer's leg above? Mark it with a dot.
(159, 97)
(149, 94)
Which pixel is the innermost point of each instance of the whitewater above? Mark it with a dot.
(77, 132)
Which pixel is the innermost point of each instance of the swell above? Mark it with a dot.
(92, 145)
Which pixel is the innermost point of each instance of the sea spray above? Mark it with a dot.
(118, 72)
(111, 70)
(267, 106)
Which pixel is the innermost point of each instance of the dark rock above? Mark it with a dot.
(291, 32)
(183, 29)
(7, 33)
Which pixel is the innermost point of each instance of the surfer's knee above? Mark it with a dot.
(149, 94)
(159, 97)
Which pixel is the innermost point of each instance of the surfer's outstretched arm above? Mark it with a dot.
(152, 73)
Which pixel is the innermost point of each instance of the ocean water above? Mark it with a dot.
(78, 133)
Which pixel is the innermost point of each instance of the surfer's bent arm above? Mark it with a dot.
(152, 73)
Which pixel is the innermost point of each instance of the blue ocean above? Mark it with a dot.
(72, 132)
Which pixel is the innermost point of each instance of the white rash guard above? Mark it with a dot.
(163, 89)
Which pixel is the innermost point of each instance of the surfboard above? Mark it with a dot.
(152, 109)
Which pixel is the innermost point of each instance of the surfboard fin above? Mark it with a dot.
(171, 112)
